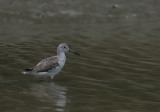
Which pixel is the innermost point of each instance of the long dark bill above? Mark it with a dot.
(73, 52)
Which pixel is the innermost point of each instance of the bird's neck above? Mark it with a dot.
(62, 58)
(59, 51)
(61, 54)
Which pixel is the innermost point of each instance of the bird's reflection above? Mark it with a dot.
(51, 92)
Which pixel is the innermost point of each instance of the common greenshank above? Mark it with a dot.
(52, 65)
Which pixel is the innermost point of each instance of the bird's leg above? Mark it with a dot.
(52, 76)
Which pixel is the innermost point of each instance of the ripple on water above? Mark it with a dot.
(118, 69)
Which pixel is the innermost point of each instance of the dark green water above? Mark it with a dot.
(119, 66)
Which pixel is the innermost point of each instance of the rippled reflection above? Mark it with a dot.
(52, 93)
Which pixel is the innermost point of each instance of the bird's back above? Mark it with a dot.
(46, 64)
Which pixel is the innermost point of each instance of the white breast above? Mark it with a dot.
(61, 61)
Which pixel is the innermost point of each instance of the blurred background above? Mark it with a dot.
(119, 66)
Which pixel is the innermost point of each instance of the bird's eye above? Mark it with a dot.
(64, 47)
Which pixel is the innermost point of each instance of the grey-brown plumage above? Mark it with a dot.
(46, 65)
(52, 65)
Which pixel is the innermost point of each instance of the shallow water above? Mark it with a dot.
(118, 70)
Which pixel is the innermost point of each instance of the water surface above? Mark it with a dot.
(118, 70)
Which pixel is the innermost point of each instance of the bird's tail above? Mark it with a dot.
(26, 71)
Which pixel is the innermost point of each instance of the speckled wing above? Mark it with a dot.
(46, 64)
